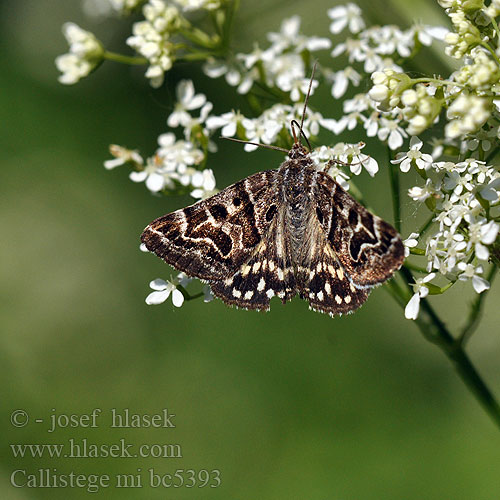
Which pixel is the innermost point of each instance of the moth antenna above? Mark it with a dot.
(294, 122)
(308, 94)
(268, 146)
(293, 133)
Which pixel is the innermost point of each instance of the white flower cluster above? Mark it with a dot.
(188, 5)
(456, 192)
(104, 8)
(281, 65)
(162, 290)
(470, 96)
(465, 36)
(125, 6)
(85, 53)
(152, 38)
(176, 163)
(463, 195)
(375, 51)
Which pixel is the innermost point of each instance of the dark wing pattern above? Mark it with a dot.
(325, 284)
(213, 238)
(267, 273)
(369, 248)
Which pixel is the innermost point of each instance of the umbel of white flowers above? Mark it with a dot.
(459, 187)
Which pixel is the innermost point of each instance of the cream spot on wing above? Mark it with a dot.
(347, 299)
(340, 273)
(280, 273)
(261, 285)
(228, 281)
(320, 295)
(319, 267)
(331, 270)
(338, 299)
(270, 293)
(248, 295)
(351, 286)
(256, 266)
(328, 288)
(271, 265)
(311, 274)
(264, 263)
(262, 247)
(236, 293)
(245, 270)
(281, 294)
(311, 295)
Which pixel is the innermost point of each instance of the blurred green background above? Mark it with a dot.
(287, 405)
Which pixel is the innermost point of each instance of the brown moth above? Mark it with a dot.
(281, 232)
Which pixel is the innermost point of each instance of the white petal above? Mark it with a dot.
(155, 298)
(338, 25)
(115, 162)
(379, 93)
(482, 252)
(371, 130)
(340, 85)
(155, 182)
(489, 232)
(412, 308)
(415, 143)
(197, 101)
(395, 140)
(167, 139)
(185, 91)
(197, 179)
(177, 298)
(328, 123)
(229, 130)
(480, 284)
(137, 176)
(437, 32)
(405, 165)
(158, 284)
(197, 193)
(371, 165)
(215, 122)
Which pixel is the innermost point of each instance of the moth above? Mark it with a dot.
(282, 232)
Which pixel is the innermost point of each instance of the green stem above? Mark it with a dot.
(417, 251)
(232, 7)
(200, 38)
(434, 329)
(196, 56)
(426, 225)
(414, 267)
(120, 58)
(495, 26)
(491, 51)
(492, 155)
(475, 311)
(396, 202)
(187, 295)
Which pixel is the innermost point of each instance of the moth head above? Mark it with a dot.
(297, 151)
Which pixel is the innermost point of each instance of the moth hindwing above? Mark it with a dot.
(281, 232)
